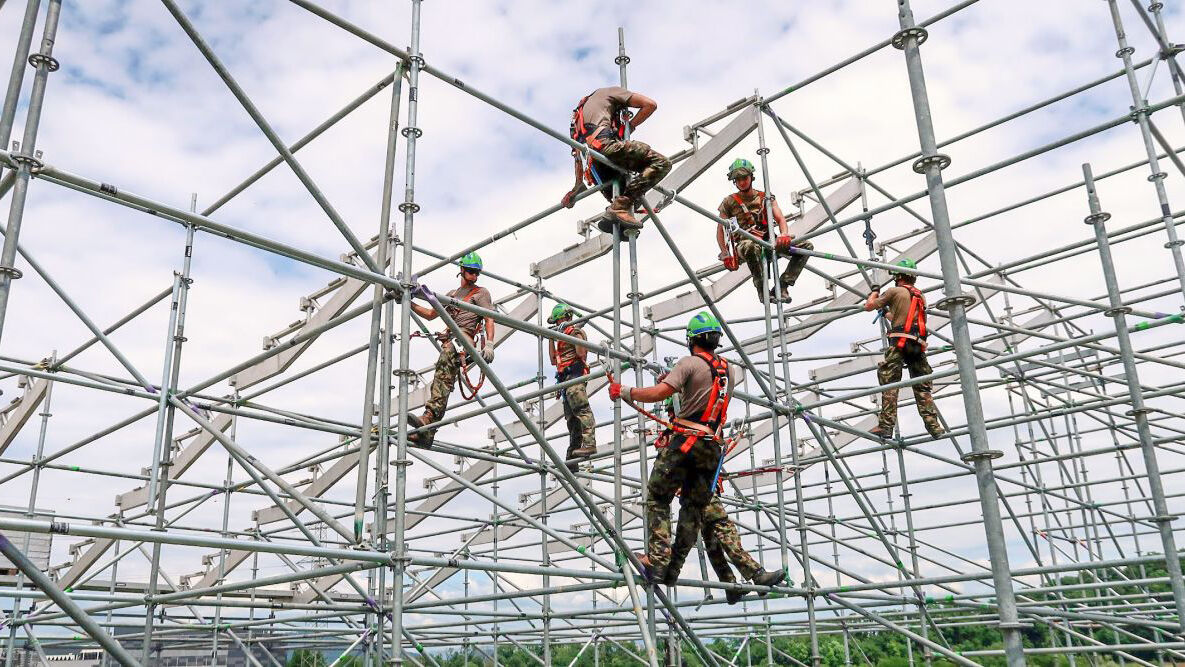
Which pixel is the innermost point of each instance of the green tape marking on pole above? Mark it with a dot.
(1177, 318)
(929, 600)
(829, 255)
(900, 565)
(950, 598)
(1142, 326)
(580, 550)
(420, 648)
(69, 589)
(76, 468)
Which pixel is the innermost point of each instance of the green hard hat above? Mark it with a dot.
(741, 167)
(703, 323)
(471, 261)
(908, 263)
(559, 312)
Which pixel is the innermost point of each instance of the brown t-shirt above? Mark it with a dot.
(748, 216)
(602, 105)
(469, 322)
(897, 299)
(565, 353)
(692, 378)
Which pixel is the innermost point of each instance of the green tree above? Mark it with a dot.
(306, 658)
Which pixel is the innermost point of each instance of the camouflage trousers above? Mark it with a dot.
(690, 474)
(722, 543)
(444, 378)
(577, 413)
(636, 156)
(889, 370)
(754, 255)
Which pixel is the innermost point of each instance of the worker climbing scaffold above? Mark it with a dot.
(906, 314)
(600, 122)
(451, 362)
(751, 209)
(570, 363)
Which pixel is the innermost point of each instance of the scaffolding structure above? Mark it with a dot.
(1061, 406)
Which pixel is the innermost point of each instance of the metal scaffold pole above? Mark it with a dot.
(406, 277)
(1139, 412)
(1141, 113)
(27, 157)
(955, 302)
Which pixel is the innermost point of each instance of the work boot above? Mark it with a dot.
(619, 212)
(881, 432)
(423, 438)
(733, 595)
(784, 296)
(936, 432)
(581, 452)
(670, 576)
(767, 578)
(653, 574)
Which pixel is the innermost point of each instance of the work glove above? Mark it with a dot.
(569, 199)
(731, 263)
(487, 353)
(783, 242)
(617, 392)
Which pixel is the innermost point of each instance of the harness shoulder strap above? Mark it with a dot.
(759, 218)
(716, 411)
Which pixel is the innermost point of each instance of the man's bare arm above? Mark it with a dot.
(780, 219)
(659, 392)
(645, 107)
(426, 313)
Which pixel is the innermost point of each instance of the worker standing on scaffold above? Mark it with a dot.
(748, 206)
(688, 459)
(450, 362)
(569, 361)
(907, 347)
(599, 122)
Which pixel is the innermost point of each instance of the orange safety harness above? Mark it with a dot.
(914, 327)
(587, 134)
(562, 365)
(713, 416)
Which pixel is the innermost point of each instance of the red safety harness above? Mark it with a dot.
(914, 328)
(714, 415)
(587, 134)
(761, 225)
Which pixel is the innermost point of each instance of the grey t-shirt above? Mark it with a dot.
(692, 378)
(897, 299)
(469, 322)
(603, 104)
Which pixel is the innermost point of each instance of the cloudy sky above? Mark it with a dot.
(136, 105)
